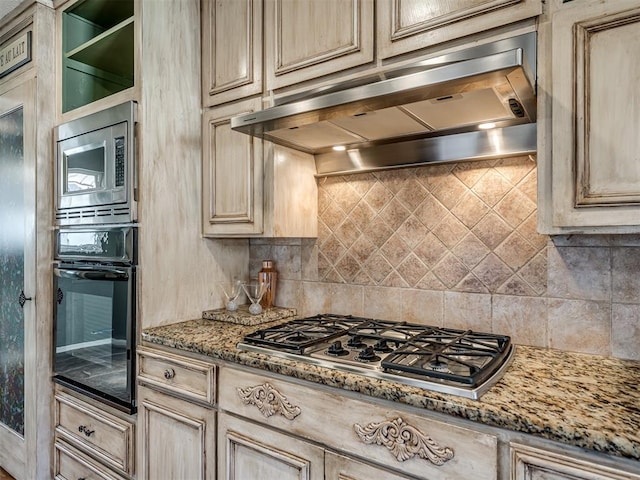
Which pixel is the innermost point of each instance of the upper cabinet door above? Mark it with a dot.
(408, 25)
(306, 40)
(231, 50)
(595, 120)
(232, 174)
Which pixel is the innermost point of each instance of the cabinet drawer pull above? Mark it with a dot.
(269, 401)
(404, 441)
(85, 430)
(169, 373)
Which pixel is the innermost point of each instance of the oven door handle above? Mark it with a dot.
(91, 273)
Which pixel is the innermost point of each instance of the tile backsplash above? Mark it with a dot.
(460, 227)
(456, 245)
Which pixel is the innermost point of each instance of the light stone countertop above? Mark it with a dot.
(583, 400)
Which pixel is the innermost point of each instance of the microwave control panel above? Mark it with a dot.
(120, 161)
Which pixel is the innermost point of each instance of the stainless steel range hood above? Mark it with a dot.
(430, 111)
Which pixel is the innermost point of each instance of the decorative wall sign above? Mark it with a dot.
(15, 53)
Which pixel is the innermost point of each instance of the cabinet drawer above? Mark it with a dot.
(105, 437)
(415, 444)
(70, 464)
(176, 375)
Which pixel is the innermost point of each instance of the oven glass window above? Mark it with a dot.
(93, 330)
(85, 169)
(108, 244)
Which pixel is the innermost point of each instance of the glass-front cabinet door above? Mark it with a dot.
(12, 270)
(17, 275)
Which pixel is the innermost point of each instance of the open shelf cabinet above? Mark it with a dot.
(98, 50)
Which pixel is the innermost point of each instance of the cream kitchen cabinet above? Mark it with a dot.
(306, 40)
(268, 425)
(231, 50)
(176, 416)
(339, 467)
(247, 451)
(408, 25)
(386, 440)
(71, 464)
(589, 180)
(176, 438)
(91, 439)
(301, 41)
(530, 463)
(250, 451)
(182, 377)
(252, 188)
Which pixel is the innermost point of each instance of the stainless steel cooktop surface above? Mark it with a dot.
(460, 362)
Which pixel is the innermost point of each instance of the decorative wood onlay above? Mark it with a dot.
(404, 441)
(583, 37)
(269, 401)
(354, 46)
(439, 21)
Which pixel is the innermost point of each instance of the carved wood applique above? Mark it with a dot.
(404, 441)
(269, 401)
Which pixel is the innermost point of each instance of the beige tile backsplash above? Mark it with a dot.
(456, 245)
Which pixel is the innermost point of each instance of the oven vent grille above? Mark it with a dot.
(96, 215)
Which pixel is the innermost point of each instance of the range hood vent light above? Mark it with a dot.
(427, 109)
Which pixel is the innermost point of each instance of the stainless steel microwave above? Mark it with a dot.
(96, 173)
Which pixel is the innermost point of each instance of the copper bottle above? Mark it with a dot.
(268, 275)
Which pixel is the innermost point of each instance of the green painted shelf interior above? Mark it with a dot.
(98, 46)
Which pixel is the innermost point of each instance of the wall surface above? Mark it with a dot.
(456, 246)
(179, 270)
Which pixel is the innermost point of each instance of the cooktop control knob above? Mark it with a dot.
(368, 355)
(355, 342)
(336, 349)
(382, 346)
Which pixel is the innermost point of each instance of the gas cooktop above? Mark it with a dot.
(459, 362)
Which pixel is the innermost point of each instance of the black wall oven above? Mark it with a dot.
(95, 313)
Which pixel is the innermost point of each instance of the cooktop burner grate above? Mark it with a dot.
(299, 335)
(462, 356)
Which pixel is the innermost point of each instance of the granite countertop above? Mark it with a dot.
(583, 400)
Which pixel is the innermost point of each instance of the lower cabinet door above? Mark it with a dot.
(339, 467)
(247, 451)
(176, 438)
(530, 463)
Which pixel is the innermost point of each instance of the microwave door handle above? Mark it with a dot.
(91, 274)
